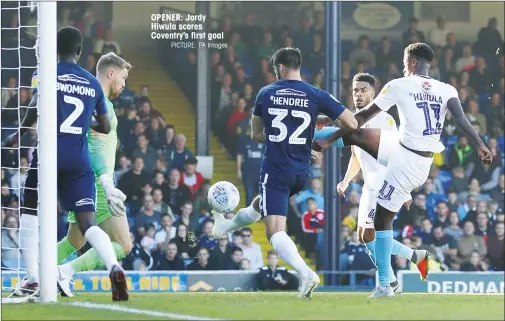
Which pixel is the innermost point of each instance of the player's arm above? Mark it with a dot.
(454, 106)
(334, 110)
(352, 170)
(102, 124)
(257, 125)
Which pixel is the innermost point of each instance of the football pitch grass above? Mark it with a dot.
(263, 306)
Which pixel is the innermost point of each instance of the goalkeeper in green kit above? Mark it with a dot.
(112, 72)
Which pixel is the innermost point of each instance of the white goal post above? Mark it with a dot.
(46, 54)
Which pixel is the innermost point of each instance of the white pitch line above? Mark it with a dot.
(118, 308)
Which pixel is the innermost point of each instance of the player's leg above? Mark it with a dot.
(72, 242)
(405, 172)
(365, 138)
(244, 217)
(274, 202)
(78, 191)
(29, 231)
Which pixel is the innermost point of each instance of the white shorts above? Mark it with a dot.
(405, 171)
(366, 211)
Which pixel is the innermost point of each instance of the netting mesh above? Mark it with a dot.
(19, 39)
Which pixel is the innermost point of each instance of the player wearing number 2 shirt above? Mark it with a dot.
(422, 104)
(284, 119)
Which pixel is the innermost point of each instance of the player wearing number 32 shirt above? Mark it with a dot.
(284, 119)
(422, 104)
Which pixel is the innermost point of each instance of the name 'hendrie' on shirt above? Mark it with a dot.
(289, 101)
(427, 97)
(75, 89)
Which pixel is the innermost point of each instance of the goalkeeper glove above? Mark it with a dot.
(115, 197)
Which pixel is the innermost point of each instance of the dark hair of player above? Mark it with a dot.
(366, 77)
(421, 52)
(288, 57)
(69, 42)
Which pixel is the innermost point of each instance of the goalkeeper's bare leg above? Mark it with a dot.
(117, 229)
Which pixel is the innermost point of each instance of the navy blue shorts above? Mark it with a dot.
(275, 190)
(76, 189)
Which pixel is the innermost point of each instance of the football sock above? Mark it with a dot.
(64, 249)
(90, 260)
(29, 244)
(101, 242)
(371, 250)
(384, 246)
(402, 250)
(325, 133)
(244, 217)
(287, 251)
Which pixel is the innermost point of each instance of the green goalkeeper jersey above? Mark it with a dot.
(102, 147)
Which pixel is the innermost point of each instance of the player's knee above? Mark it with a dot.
(383, 219)
(127, 246)
(368, 235)
(256, 203)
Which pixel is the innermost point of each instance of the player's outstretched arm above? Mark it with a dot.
(257, 129)
(27, 122)
(454, 106)
(352, 170)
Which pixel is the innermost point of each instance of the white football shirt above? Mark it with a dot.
(422, 105)
(373, 172)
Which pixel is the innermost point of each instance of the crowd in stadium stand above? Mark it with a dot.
(458, 214)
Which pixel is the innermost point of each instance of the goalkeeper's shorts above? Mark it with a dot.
(101, 209)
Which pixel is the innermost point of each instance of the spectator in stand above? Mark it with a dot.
(238, 114)
(185, 247)
(156, 133)
(426, 230)
(166, 232)
(473, 114)
(241, 79)
(474, 188)
(169, 260)
(18, 178)
(245, 265)
(488, 175)
(483, 228)
(266, 49)
(107, 44)
(432, 198)
(275, 278)
(10, 90)
(304, 36)
(312, 223)
(314, 191)
(176, 194)
(207, 240)
(250, 32)
(251, 250)
(435, 179)
(415, 214)
(190, 177)
(385, 56)
(64, 19)
(469, 205)
(178, 156)
(316, 57)
(479, 76)
(496, 114)
(454, 229)
(445, 245)
(146, 153)
(237, 239)
(438, 36)
(452, 201)
(467, 60)
(88, 26)
(131, 182)
(91, 64)
(10, 243)
(236, 257)
(434, 71)
(147, 113)
(202, 261)
(137, 254)
(238, 46)
(362, 54)
(489, 40)
(462, 154)
(147, 215)
(496, 247)
(148, 242)
(441, 214)
(220, 255)
(459, 179)
(475, 263)
(188, 218)
(412, 35)
(469, 242)
(169, 140)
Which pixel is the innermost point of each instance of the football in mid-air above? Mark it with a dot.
(223, 197)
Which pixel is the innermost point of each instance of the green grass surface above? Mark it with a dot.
(269, 306)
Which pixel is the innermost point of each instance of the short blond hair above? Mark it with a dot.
(110, 59)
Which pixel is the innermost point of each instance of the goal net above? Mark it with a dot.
(24, 27)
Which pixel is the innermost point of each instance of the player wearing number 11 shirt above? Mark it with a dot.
(422, 104)
(284, 118)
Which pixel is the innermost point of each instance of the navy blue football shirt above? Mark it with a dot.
(289, 109)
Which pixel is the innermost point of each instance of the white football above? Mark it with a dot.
(223, 197)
